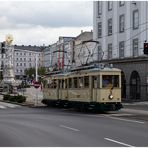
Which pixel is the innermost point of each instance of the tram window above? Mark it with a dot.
(65, 83)
(59, 83)
(75, 81)
(70, 83)
(96, 81)
(62, 84)
(45, 82)
(86, 81)
(110, 81)
(81, 83)
(54, 84)
(48, 84)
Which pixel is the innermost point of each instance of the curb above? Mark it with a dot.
(23, 104)
(137, 111)
(16, 103)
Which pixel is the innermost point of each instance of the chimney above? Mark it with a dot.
(81, 31)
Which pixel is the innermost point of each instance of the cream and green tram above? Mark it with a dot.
(89, 89)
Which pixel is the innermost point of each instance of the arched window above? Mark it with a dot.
(135, 86)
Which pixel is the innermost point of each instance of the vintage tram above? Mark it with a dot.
(96, 87)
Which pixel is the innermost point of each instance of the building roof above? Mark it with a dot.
(30, 48)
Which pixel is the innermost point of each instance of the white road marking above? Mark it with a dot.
(118, 142)
(127, 120)
(2, 107)
(117, 115)
(9, 105)
(74, 129)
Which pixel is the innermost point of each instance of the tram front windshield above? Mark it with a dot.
(110, 81)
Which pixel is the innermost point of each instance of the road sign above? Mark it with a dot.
(36, 84)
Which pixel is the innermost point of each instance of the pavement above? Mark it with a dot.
(136, 107)
(33, 97)
(52, 127)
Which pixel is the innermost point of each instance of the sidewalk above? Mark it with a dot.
(33, 97)
(136, 107)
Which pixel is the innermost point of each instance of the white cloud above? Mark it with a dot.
(42, 22)
(40, 35)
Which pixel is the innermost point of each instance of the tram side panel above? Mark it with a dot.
(79, 89)
(50, 92)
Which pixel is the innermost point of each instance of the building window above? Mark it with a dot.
(121, 49)
(20, 53)
(29, 59)
(20, 64)
(110, 5)
(99, 29)
(24, 53)
(135, 47)
(20, 59)
(121, 3)
(30, 64)
(110, 26)
(121, 23)
(25, 64)
(17, 64)
(109, 51)
(24, 59)
(135, 19)
(99, 7)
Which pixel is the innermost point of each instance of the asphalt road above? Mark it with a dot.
(39, 127)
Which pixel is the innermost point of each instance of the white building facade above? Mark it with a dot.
(50, 57)
(25, 57)
(58, 55)
(121, 27)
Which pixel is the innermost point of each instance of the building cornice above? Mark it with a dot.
(127, 60)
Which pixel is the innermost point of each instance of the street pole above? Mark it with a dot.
(36, 77)
(36, 67)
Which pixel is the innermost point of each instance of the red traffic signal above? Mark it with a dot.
(145, 48)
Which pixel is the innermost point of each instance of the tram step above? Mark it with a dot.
(90, 108)
(91, 105)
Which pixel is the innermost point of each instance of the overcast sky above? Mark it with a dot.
(42, 22)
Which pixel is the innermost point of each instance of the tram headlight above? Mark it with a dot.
(110, 97)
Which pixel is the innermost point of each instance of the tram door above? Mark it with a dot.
(61, 85)
(65, 89)
(95, 86)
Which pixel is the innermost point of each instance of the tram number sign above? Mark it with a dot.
(36, 84)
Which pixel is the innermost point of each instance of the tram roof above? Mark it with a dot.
(92, 68)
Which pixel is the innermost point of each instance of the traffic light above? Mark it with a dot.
(145, 48)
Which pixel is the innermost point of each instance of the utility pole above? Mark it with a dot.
(36, 77)
(36, 68)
